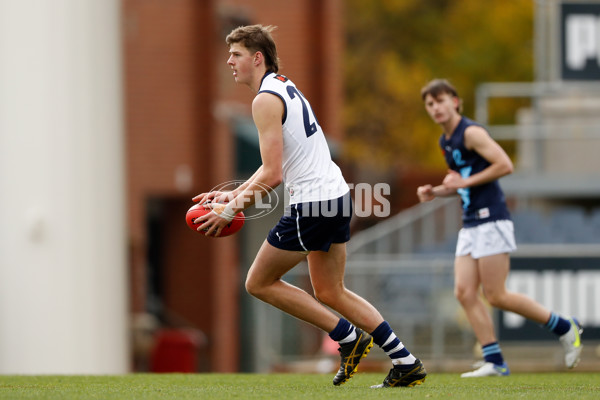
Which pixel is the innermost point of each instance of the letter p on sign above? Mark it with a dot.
(582, 40)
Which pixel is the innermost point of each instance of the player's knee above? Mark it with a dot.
(326, 296)
(253, 288)
(496, 299)
(465, 295)
(322, 297)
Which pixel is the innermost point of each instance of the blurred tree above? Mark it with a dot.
(394, 47)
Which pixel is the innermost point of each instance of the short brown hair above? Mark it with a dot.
(440, 86)
(257, 38)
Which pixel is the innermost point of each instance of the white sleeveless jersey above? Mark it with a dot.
(309, 174)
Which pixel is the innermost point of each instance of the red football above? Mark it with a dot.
(198, 210)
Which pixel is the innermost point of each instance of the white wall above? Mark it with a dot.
(63, 279)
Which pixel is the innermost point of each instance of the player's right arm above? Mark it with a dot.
(217, 196)
(428, 192)
(267, 112)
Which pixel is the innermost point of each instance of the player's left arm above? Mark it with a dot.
(477, 139)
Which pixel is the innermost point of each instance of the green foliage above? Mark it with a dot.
(572, 385)
(394, 47)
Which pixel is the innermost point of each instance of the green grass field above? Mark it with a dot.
(545, 386)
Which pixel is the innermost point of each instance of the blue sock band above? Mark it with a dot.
(341, 330)
(552, 322)
(492, 353)
(557, 325)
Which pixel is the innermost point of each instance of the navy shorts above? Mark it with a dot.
(313, 226)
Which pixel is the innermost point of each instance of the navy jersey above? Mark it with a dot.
(483, 203)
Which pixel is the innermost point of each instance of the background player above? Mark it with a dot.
(294, 151)
(476, 163)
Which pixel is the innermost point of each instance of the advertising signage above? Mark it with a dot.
(580, 41)
(567, 285)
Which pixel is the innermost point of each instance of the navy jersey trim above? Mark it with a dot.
(264, 76)
(282, 99)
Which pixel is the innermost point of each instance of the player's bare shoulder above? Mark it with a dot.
(267, 103)
(476, 136)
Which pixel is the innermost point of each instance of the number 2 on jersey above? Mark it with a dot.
(308, 127)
